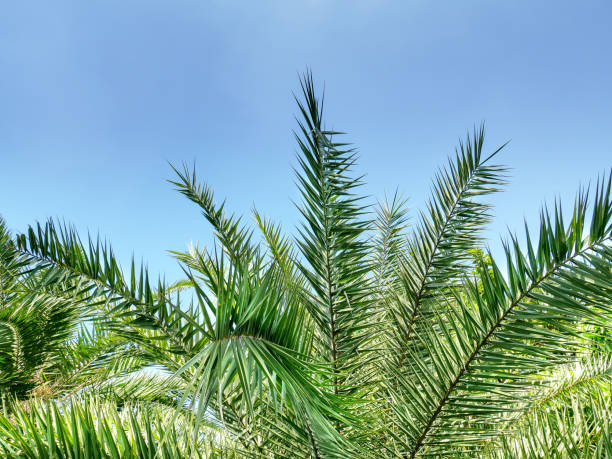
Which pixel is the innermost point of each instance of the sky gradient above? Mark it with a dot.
(97, 97)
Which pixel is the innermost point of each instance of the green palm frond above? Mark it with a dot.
(233, 236)
(502, 331)
(390, 241)
(31, 331)
(439, 249)
(281, 249)
(332, 238)
(97, 274)
(37, 318)
(255, 346)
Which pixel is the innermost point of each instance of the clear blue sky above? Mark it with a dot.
(97, 96)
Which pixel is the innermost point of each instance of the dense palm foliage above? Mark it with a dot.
(363, 336)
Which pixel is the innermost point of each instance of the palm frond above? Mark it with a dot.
(255, 347)
(234, 237)
(439, 249)
(99, 279)
(499, 334)
(390, 241)
(331, 238)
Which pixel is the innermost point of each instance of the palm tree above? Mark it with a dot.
(360, 337)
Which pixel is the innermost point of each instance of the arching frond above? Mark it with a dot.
(234, 237)
(439, 249)
(481, 356)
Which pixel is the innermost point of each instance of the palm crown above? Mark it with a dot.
(360, 337)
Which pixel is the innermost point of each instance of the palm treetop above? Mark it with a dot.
(365, 334)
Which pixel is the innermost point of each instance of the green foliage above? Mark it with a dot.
(93, 429)
(363, 336)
